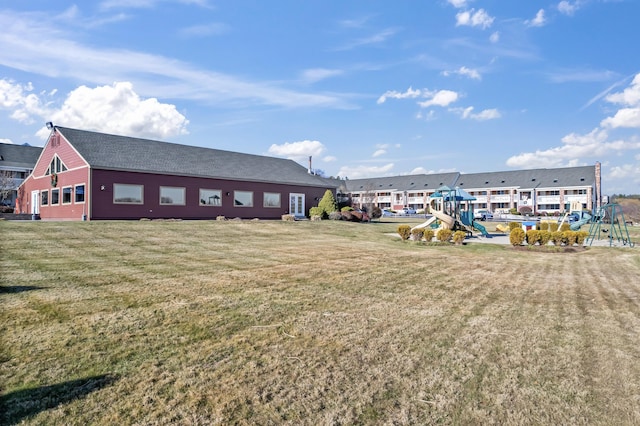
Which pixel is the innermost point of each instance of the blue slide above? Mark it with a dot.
(481, 228)
(575, 226)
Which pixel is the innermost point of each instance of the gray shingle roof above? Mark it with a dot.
(112, 152)
(401, 183)
(18, 156)
(531, 178)
(524, 179)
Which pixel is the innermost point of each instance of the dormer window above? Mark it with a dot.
(56, 166)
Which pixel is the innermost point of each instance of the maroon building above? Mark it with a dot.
(84, 175)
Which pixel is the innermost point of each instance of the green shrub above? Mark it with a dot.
(416, 234)
(444, 235)
(569, 237)
(565, 227)
(532, 236)
(543, 226)
(428, 234)
(514, 225)
(459, 236)
(404, 231)
(346, 209)
(328, 203)
(582, 236)
(545, 237)
(556, 238)
(316, 211)
(553, 226)
(517, 236)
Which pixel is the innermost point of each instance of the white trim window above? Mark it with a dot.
(243, 198)
(79, 194)
(124, 193)
(271, 200)
(172, 196)
(210, 197)
(67, 191)
(55, 197)
(44, 197)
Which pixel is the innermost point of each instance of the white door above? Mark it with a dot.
(296, 204)
(35, 202)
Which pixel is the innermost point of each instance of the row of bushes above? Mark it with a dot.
(533, 236)
(543, 226)
(427, 234)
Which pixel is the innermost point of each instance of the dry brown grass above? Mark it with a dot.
(310, 323)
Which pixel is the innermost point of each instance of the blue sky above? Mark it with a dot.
(367, 88)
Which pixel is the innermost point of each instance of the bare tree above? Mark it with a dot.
(7, 184)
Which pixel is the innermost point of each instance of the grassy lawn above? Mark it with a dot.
(309, 323)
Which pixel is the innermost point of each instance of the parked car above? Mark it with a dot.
(483, 215)
(387, 213)
(408, 210)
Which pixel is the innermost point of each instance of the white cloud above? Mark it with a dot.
(575, 147)
(17, 98)
(494, 37)
(329, 159)
(300, 150)
(630, 98)
(538, 21)
(441, 98)
(359, 172)
(625, 171)
(409, 94)
(205, 30)
(317, 74)
(474, 19)
(381, 149)
(569, 8)
(34, 43)
(459, 4)
(464, 71)
(377, 38)
(484, 115)
(9, 141)
(116, 109)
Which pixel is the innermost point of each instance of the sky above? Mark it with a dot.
(366, 88)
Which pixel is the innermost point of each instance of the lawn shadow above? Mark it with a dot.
(19, 288)
(18, 405)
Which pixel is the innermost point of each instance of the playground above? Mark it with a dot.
(452, 208)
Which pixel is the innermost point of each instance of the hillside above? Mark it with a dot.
(630, 208)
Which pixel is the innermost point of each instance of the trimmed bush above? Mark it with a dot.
(532, 236)
(327, 203)
(346, 209)
(569, 237)
(459, 236)
(514, 225)
(444, 235)
(543, 226)
(516, 236)
(582, 236)
(553, 227)
(417, 234)
(316, 211)
(404, 231)
(428, 234)
(545, 237)
(556, 238)
(565, 227)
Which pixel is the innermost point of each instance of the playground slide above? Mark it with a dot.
(481, 228)
(425, 224)
(575, 226)
(447, 221)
